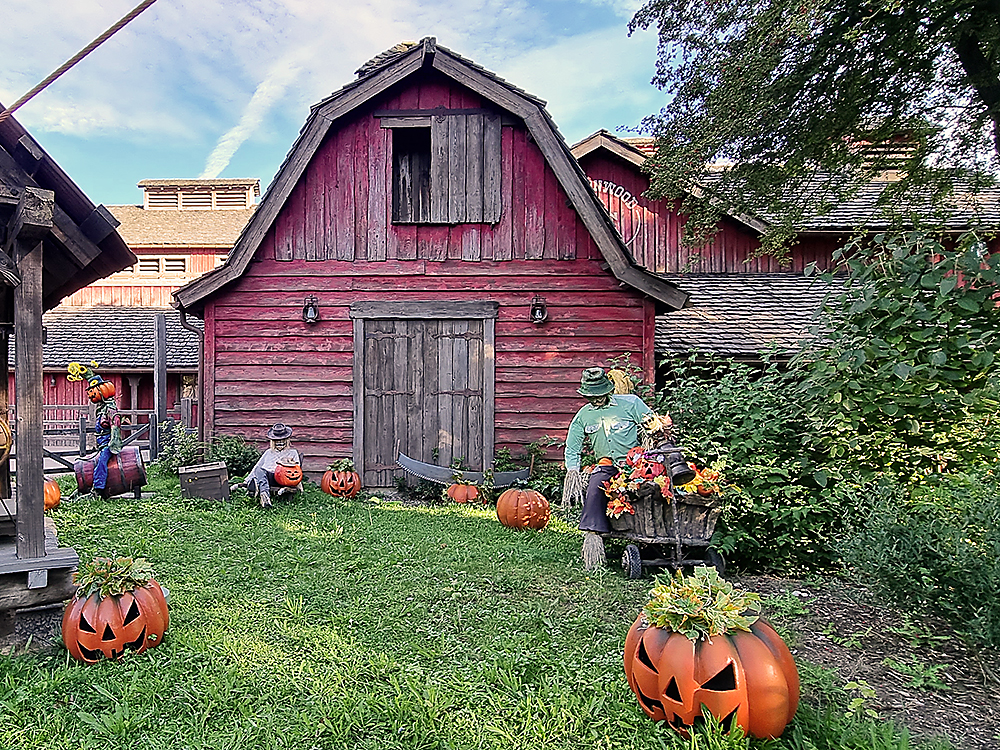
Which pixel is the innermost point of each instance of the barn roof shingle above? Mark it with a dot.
(741, 315)
(118, 338)
(141, 227)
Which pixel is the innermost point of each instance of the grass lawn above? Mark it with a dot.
(327, 623)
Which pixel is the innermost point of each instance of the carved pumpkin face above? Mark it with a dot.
(748, 678)
(288, 476)
(345, 484)
(100, 391)
(105, 627)
(647, 470)
(463, 493)
(52, 494)
(523, 509)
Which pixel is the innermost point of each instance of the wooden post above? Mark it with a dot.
(6, 316)
(159, 381)
(83, 435)
(29, 400)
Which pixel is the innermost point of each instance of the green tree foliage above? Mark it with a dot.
(902, 376)
(785, 91)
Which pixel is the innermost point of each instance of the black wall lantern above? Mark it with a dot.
(310, 310)
(538, 312)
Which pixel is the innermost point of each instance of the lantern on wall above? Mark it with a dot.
(310, 309)
(538, 313)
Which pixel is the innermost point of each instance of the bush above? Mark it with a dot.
(546, 476)
(234, 450)
(743, 420)
(178, 448)
(936, 547)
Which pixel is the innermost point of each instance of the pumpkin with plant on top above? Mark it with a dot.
(118, 607)
(341, 480)
(694, 649)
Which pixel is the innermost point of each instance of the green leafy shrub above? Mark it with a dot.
(700, 605)
(178, 448)
(234, 450)
(789, 509)
(111, 576)
(936, 547)
(546, 475)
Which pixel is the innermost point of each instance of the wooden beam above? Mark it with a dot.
(423, 310)
(160, 367)
(99, 224)
(28, 154)
(6, 314)
(28, 387)
(31, 221)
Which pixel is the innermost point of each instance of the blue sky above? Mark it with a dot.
(196, 88)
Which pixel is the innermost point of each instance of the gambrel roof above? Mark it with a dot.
(376, 77)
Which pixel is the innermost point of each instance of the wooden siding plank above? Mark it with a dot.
(492, 171)
(474, 170)
(440, 167)
(427, 310)
(415, 331)
(445, 383)
(432, 242)
(472, 243)
(345, 195)
(328, 163)
(283, 236)
(362, 137)
(519, 195)
(315, 211)
(358, 391)
(534, 202)
(378, 192)
(457, 166)
(208, 370)
(501, 247)
(549, 234)
(489, 389)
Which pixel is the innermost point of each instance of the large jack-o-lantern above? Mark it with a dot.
(99, 627)
(746, 678)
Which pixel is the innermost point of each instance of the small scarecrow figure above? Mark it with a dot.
(280, 466)
(109, 422)
(611, 422)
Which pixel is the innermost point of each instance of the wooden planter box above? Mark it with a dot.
(210, 481)
(654, 519)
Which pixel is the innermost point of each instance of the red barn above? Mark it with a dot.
(428, 273)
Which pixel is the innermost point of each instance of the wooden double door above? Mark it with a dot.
(423, 385)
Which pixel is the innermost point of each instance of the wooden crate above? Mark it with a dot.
(210, 481)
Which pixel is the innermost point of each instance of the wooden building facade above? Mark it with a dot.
(460, 271)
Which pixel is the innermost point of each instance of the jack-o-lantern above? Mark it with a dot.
(288, 476)
(647, 470)
(744, 677)
(99, 627)
(523, 509)
(345, 484)
(463, 493)
(100, 391)
(52, 494)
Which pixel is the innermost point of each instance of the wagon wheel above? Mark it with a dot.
(6, 439)
(715, 559)
(632, 562)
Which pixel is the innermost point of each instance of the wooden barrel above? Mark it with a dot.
(126, 472)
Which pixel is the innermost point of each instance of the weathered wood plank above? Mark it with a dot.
(492, 169)
(441, 166)
(315, 208)
(474, 169)
(428, 310)
(29, 399)
(344, 195)
(457, 167)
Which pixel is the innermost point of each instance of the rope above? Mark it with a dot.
(76, 58)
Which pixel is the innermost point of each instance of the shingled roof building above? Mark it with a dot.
(184, 228)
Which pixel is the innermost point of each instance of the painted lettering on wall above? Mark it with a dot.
(623, 207)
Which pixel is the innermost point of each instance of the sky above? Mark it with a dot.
(220, 88)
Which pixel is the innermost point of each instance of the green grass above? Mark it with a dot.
(328, 623)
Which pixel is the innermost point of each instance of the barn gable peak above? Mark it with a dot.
(388, 70)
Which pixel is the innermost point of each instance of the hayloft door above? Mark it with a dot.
(423, 385)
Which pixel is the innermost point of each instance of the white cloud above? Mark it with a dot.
(217, 73)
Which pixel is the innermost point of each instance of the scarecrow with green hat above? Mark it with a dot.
(611, 422)
(107, 428)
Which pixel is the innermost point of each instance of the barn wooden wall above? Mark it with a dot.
(652, 230)
(335, 239)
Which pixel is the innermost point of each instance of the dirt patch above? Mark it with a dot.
(924, 676)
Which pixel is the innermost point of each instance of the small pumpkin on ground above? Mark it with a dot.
(341, 480)
(118, 607)
(693, 649)
(462, 492)
(523, 509)
(52, 494)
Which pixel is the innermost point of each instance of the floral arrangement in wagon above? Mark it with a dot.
(642, 477)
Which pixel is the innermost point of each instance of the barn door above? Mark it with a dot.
(423, 385)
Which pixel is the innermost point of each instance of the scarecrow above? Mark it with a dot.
(107, 428)
(279, 466)
(611, 422)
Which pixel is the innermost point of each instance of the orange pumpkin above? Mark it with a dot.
(522, 509)
(100, 391)
(341, 483)
(463, 493)
(746, 677)
(52, 494)
(288, 476)
(105, 627)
